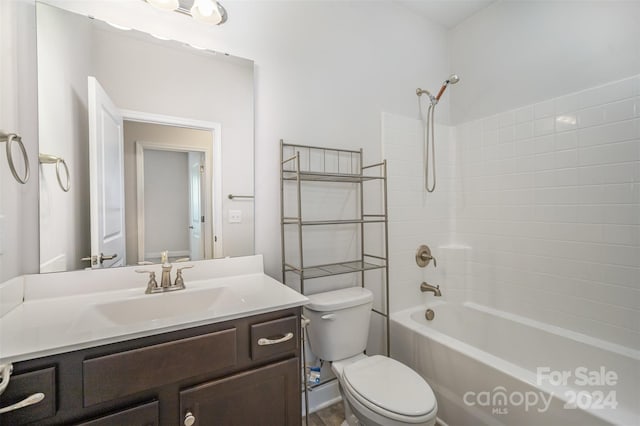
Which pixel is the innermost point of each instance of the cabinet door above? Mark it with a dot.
(142, 415)
(269, 395)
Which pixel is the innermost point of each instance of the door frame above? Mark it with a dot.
(213, 174)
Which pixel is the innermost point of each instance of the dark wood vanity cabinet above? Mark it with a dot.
(240, 372)
(264, 396)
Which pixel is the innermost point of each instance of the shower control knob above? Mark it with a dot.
(189, 419)
(423, 256)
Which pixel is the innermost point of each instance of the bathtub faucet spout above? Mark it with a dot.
(428, 287)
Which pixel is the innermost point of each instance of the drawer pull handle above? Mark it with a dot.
(264, 341)
(5, 375)
(30, 400)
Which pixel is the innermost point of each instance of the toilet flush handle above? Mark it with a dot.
(328, 317)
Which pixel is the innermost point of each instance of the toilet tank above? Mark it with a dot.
(339, 325)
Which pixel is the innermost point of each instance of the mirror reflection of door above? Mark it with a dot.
(172, 204)
(106, 153)
(170, 178)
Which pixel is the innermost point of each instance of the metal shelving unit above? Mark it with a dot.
(303, 163)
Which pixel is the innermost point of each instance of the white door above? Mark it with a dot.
(106, 152)
(196, 213)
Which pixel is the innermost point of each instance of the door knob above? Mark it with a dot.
(92, 259)
(189, 419)
(104, 257)
(99, 258)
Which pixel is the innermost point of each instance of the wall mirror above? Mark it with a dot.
(145, 145)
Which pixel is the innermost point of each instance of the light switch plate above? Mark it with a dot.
(235, 216)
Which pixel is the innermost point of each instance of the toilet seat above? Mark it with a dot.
(390, 389)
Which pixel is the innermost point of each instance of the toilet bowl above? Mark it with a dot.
(376, 390)
(381, 391)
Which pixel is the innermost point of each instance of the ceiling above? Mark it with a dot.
(448, 13)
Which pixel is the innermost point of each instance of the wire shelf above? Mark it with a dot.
(337, 268)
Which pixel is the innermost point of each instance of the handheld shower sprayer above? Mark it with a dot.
(453, 79)
(429, 133)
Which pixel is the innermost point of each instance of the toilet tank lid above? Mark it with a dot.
(339, 299)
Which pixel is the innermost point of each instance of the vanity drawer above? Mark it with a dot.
(125, 373)
(24, 385)
(143, 415)
(274, 337)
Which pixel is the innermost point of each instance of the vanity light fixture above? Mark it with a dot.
(209, 11)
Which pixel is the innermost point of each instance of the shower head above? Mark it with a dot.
(453, 79)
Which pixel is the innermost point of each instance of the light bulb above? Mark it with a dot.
(206, 11)
(164, 4)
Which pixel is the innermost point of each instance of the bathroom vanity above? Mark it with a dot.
(232, 362)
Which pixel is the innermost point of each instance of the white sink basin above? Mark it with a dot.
(149, 307)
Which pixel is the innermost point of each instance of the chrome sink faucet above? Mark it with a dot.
(428, 287)
(165, 281)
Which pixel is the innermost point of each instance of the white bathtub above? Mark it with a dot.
(492, 367)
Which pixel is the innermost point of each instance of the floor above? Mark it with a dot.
(332, 415)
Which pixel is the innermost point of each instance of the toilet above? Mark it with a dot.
(376, 390)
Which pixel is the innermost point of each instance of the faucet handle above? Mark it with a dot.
(424, 256)
(152, 284)
(179, 283)
(182, 259)
(184, 267)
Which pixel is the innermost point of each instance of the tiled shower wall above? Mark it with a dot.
(547, 197)
(415, 217)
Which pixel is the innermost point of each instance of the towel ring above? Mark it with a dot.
(9, 139)
(60, 163)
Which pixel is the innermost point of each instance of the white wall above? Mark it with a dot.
(324, 72)
(18, 114)
(63, 123)
(516, 53)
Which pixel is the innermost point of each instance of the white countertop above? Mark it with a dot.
(86, 316)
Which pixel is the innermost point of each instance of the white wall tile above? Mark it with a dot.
(553, 219)
(523, 115)
(608, 93)
(523, 130)
(566, 140)
(621, 131)
(543, 126)
(593, 116)
(566, 104)
(566, 122)
(617, 111)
